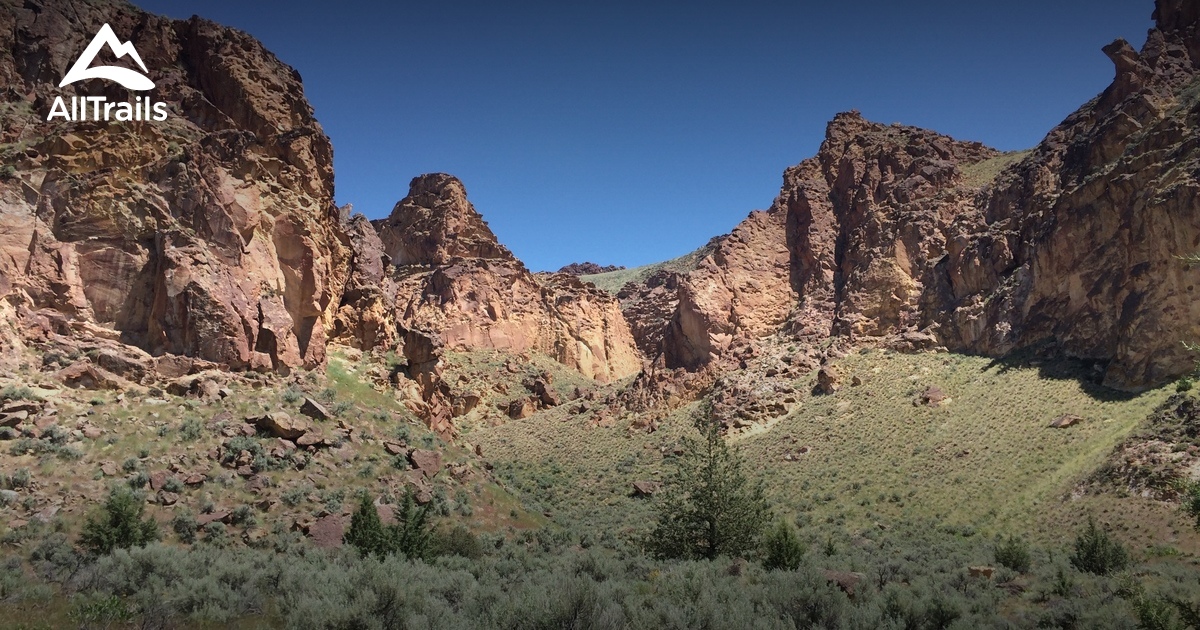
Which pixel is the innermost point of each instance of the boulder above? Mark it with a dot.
(428, 462)
(13, 419)
(981, 572)
(315, 410)
(828, 381)
(847, 581)
(521, 408)
(646, 488)
(1065, 421)
(281, 425)
(932, 396)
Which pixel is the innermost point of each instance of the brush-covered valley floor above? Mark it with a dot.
(900, 501)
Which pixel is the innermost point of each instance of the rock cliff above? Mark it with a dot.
(453, 278)
(898, 235)
(211, 234)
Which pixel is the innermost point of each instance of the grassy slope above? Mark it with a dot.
(614, 280)
(984, 462)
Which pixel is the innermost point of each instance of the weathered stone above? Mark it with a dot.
(13, 419)
(933, 396)
(315, 410)
(828, 381)
(521, 408)
(427, 461)
(646, 488)
(1066, 420)
(328, 531)
(158, 479)
(847, 581)
(282, 425)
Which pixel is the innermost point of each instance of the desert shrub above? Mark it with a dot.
(139, 480)
(295, 496)
(118, 524)
(261, 460)
(1097, 552)
(55, 559)
(185, 526)
(173, 484)
(1013, 553)
(216, 534)
(782, 549)
(12, 392)
(242, 515)
(1154, 613)
(456, 541)
(292, 395)
(191, 430)
(19, 479)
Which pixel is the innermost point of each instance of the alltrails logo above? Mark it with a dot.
(98, 106)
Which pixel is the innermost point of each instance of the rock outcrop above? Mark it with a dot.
(588, 269)
(211, 234)
(452, 277)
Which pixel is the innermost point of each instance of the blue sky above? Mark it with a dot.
(627, 133)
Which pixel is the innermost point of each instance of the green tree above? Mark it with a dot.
(782, 548)
(1097, 552)
(118, 524)
(1013, 553)
(709, 508)
(1190, 502)
(411, 535)
(366, 531)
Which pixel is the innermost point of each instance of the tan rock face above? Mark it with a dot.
(909, 237)
(459, 283)
(435, 224)
(211, 234)
(742, 290)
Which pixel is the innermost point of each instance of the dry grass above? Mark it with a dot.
(614, 280)
(983, 173)
(985, 462)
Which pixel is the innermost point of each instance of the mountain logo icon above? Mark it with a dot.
(126, 77)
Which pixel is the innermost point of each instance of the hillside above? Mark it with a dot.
(955, 374)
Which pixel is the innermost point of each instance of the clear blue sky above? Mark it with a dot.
(627, 133)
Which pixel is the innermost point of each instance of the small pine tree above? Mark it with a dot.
(782, 548)
(412, 533)
(710, 508)
(118, 524)
(1097, 552)
(366, 531)
(1013, 553)
(1191, 503)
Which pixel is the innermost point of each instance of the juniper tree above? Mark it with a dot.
(366, 531)
(709, 508)
(411, 535)
(118, 524)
